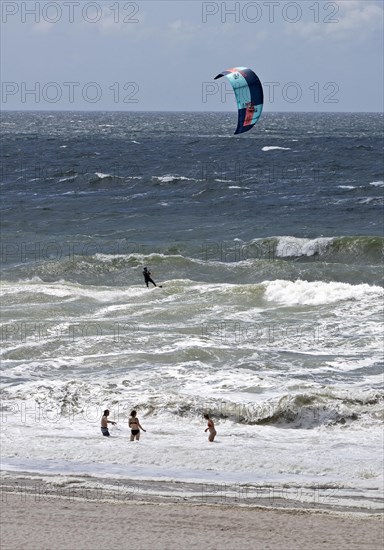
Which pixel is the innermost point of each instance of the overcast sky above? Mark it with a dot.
(164, 55)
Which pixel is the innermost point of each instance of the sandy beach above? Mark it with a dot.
(44, 520)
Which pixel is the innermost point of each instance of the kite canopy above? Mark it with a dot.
(249, 96)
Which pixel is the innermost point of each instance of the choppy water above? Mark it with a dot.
(269, 248)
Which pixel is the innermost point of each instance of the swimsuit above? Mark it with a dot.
(105, 431)
(135, 432)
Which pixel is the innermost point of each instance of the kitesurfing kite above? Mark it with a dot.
(249, 96)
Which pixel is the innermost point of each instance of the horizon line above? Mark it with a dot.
(175, 111)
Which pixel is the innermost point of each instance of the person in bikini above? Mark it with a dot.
(211, 428)
(105, 422)
(134, 424)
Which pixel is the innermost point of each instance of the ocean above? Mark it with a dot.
(268, 248)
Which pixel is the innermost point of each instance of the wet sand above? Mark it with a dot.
(33, 520)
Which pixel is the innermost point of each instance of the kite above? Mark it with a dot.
(249, 96)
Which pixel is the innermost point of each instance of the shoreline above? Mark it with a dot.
(89, 488)
(37, 513)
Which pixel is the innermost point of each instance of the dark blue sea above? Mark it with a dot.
(268, 248)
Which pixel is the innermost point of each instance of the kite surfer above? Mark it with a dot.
(147, 277)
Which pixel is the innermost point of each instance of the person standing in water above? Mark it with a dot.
(211, 428)
(134, 424)
(105, 422)
(147, 277)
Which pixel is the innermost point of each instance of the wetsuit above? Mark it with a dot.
(147, 277)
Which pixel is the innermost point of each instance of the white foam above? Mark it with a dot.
(190, 347)
(71, 291)
(69, 178)
(315, 293)
(177, 449)
(294, 246)
(169, 178)
(274, 148)
(377, 183)
(102, 176)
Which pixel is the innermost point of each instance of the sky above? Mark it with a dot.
(163, 55)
